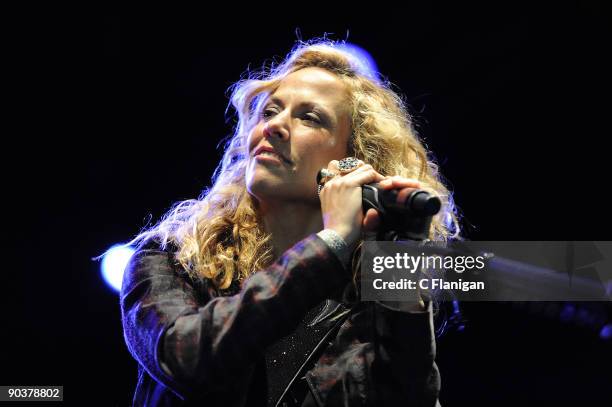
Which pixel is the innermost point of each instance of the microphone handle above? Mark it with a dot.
(417, 203)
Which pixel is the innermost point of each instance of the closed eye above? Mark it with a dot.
(268, 113)
(312, 117)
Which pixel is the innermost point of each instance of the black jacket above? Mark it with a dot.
(196, 348)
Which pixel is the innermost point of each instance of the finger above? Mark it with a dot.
(332, 170)
(333, 166)
(350, 177)
(363, 167)
(324, 175)
(400, 180)
(371, 220)
(404, 193)
(396, 182)
(364, 175)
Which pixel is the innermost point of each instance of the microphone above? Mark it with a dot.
(405, 213)
(399, 202)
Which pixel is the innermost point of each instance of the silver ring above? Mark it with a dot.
(323, 174)
(348, 164)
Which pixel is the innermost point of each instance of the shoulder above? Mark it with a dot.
(152, 262)
(150, 253)
(160, 260)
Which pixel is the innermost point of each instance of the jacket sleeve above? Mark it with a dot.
(190, 343)
(404, 370)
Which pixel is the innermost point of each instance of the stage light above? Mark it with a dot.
(606, 332)
(364, 57)
(113, 264)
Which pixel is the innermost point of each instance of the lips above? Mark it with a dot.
(272, 151)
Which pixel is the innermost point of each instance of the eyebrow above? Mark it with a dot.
(323, 111)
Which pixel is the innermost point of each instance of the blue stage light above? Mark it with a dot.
(606, 332)
(367, 61)
(113, 264)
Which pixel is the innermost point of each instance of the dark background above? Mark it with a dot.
(116, 115)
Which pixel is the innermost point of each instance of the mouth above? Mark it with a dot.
(270, 153)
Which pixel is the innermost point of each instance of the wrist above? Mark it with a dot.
(337, 244)
(344, 234)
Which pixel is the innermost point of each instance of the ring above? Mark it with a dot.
(323, 175)
(348, 164)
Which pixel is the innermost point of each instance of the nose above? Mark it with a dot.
(276, 128)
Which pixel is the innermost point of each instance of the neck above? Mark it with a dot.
(290, 222)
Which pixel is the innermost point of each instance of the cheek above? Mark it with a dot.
(318, 155)
(331, 143)
(331, 149)
(327, 143)
(255, 136)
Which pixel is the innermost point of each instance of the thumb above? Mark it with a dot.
(371, 220)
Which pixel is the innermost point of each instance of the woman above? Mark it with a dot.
(222, 280)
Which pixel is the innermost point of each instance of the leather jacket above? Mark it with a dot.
(197, 348)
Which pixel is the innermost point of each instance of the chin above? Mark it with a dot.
(264, 187)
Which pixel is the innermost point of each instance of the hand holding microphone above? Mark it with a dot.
(352, 194)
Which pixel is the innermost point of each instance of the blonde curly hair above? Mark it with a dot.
(220, 237)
